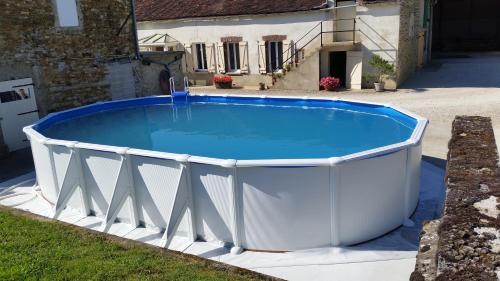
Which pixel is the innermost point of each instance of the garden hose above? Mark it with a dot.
(34, 194)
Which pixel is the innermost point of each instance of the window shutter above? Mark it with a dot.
(262, 57)
(194, 53)
(221, 63)
(287, 52)
(188, 59)
(244, 57)
(211, 58)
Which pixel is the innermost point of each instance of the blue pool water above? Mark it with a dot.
(241, 128)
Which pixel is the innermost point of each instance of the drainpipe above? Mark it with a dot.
(134, 29)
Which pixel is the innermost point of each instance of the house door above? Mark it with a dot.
(338, 66)
(17, 109)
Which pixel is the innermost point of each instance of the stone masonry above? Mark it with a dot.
(465, 243)
(409, 27)
(68, 65)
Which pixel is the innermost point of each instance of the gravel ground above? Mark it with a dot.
(439, 92)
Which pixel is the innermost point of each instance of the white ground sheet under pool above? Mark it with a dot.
(390, 257)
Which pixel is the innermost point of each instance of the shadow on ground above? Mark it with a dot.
(16, 163)
(457, 71)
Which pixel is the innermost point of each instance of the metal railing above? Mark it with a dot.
(295, 51)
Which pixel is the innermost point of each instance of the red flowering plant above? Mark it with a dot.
(223, 79)
(330, 83)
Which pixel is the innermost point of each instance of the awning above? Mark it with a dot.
(157, 39)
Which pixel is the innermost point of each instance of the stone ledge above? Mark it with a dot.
(465, 243)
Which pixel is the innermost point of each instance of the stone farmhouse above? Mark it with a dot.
(298, 41)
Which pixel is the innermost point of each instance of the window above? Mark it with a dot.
(232, 56)
(67, 13)
(274, 58)
(201, 57)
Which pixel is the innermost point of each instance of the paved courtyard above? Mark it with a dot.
(456, 85)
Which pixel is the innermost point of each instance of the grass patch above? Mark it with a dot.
(32, 248)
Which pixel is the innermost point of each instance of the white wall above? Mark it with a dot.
(251, 28)
(379, 32)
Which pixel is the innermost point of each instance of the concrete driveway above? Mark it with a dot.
(455, 85)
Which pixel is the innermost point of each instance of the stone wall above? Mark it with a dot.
(465, 243)
(409, 26)
(69, 66)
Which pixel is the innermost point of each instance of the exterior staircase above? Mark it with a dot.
(302, 62)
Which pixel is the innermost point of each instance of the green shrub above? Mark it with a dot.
(382, 67)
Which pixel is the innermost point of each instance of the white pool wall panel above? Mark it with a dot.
(213, 202)
(282, 206)
(273, 205)
(369, 198)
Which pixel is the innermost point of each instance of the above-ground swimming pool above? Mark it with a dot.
(261, 173)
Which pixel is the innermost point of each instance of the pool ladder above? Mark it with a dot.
(179, 94)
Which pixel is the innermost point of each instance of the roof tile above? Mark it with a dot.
(150, 10)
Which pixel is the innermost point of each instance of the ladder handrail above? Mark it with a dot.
(186, 84)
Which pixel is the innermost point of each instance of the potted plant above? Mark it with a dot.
(330, 83)
(383, 69)
(223, 82)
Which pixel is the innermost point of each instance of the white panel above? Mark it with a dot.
(414, 167)
(212, 189)
(285, 208)
(370, 197)
(61, 156)
(155, 183)
(41, 158)
(100, 171)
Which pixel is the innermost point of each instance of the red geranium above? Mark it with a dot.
(224, 79)
(330, 83)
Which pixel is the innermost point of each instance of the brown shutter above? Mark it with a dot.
(211, 58)
(244, 57)
(188, 58)
(262, 57)
(221, 63)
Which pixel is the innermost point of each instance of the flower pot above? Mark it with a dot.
(223, 85)
(379, 87)
(330, 89)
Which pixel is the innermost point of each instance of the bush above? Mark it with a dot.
(382, 67)
(223, 79)
(330, 83)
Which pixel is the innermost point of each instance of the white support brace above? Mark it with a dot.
(123, 190)
(73, 178)
(233, 180)
(179, 207)
(192, 235)
(334, 212)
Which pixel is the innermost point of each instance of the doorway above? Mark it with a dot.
(338, 62)
(466, 25)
